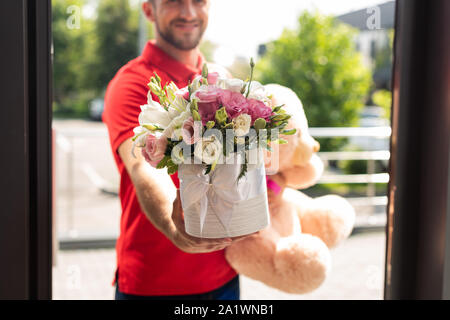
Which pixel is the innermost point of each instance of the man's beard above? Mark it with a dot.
(180, 44)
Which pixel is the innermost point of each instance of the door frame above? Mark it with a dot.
(418, 228)
(25, 122)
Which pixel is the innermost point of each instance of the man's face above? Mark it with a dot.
(181, 22)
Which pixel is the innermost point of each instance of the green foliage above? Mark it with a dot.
(116, 40)
(345, 189)
(319, 62)
(358, 166)
(69, 69)
(86, 59)
(383, 98)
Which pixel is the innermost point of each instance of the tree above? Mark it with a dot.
(318, 61)
(86, 58)
(116, 40)
(69, 47)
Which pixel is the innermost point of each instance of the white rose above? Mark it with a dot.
(234, 85)
(173, 130)
(241, 124)
(257, 91)
(208, 149)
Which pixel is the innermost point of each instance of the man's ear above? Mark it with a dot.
(149, 10)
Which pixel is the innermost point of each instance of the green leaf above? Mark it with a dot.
(243, 171)
(277, 108)
(205, 71)
(172, 170)
(163, 162)
(171, 167)
(196, 115)
(208, 169)
(289, 132)
(280, 117)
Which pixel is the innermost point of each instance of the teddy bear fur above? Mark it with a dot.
(292, 254)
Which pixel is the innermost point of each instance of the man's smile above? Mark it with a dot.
(186, 26)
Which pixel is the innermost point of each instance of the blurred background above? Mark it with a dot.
(336, 56)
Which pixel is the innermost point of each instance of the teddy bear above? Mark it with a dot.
(292, 254)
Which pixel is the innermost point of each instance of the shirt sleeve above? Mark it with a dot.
(123, 98)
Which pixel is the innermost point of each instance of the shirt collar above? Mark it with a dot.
(177, 70)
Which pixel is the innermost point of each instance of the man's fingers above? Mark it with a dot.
(244, 236)
(210, 242)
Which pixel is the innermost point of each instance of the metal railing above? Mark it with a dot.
(370, 177)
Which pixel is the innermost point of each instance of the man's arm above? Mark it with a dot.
(155, 192)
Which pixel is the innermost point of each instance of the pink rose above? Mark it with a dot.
(257, 109)
(234, 102)
(208, 94)
(212, 77)
(208, 102)
(191, 131)
(154, 149)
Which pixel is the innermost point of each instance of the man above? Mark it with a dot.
(156, 258)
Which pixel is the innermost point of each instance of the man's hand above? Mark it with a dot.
(190, 244)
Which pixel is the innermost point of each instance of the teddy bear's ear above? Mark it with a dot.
(301, 177)
(304, 150)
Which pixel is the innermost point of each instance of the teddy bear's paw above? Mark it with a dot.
(302, 263)
(253, 256)
(331, 218)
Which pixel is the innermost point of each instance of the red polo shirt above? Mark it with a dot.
(147, 262)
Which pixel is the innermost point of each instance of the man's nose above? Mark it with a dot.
(188, 10)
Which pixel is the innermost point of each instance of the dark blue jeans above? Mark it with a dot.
(229, 291)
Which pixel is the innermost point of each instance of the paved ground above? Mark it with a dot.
(358, 273)
(84, 163)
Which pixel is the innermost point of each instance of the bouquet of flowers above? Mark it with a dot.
(212, 133)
